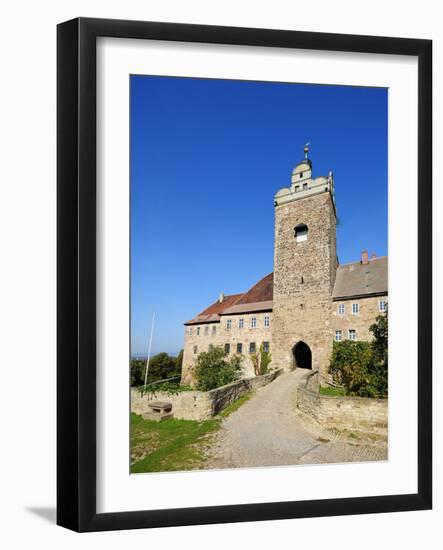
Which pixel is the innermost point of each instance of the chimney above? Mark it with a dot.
(373, 256)
(364, 258)
(221, 297)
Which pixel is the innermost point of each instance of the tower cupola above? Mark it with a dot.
(303, 184)
(303, 170)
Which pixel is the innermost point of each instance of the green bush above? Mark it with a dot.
(214, 368)
(362, 367)
(170, 387)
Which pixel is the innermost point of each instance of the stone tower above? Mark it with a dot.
(305, 263)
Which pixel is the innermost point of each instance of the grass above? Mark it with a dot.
(174, 445)
(334, 392)
(236, 404)
(170, 445)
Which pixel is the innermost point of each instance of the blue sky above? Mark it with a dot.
(207, 157)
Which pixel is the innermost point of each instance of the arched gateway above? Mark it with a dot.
(302, 356)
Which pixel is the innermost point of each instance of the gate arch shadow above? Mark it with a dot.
(302, 356)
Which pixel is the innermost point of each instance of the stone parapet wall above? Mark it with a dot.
(199, 405)
(361, 414)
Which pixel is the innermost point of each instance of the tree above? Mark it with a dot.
(362, 367)
(349, 366)
(161, 366)
(379, 347)
(137, 372)
(213, 368)
(179, 362)
(260, 360)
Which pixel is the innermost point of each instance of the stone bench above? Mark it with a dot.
(158, 410)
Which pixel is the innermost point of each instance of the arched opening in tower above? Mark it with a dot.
(302, 356)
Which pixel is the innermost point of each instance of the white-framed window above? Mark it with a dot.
(253, 322)
(382, 305)
(266, 320)
(241, 322)
(228, 324)
(352, 334)
(198, 331)
(338, 335)
(206, 330)
(251, 347)
(194, 349)
(355, 308)
(214, 330)
(341, 309)
(239, 348)
(227, 348)
(266, 347)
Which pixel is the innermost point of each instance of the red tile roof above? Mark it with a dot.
(219, 307)
(353, 279)
(260, 292)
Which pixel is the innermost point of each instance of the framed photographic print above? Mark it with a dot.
(244, 274)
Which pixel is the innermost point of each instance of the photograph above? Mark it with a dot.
(258, 274)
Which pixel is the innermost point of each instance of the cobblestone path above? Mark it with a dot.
(268, 430)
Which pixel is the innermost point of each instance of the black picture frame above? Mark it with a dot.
(76, 280)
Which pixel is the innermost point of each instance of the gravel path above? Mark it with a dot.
(269, 431)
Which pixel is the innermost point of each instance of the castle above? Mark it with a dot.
(309, 300)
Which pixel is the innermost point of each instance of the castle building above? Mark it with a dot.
(309, 300)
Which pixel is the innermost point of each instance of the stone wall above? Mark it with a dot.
(356, 414)
(199, 405)
(203, 336)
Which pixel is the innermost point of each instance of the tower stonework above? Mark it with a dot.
(305, 263)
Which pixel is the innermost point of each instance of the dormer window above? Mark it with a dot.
(301, 232)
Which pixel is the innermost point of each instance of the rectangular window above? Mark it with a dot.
(253, 322)
(266, 347)
(229, 324)
(382, 305)
(194, 349)
(341, 309)
(239, 348)
(267, 321)
(252, 347)
(305, 186)
(352, 334)
(227, 348)
(297, 188)
(190, 331)
(355, 309)
(198, 331)
(241, 322)
(338, 335)
(206, 330)
(214, 330)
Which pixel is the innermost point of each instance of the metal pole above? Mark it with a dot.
(149, 350)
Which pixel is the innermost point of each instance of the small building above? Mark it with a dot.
(309, 300)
